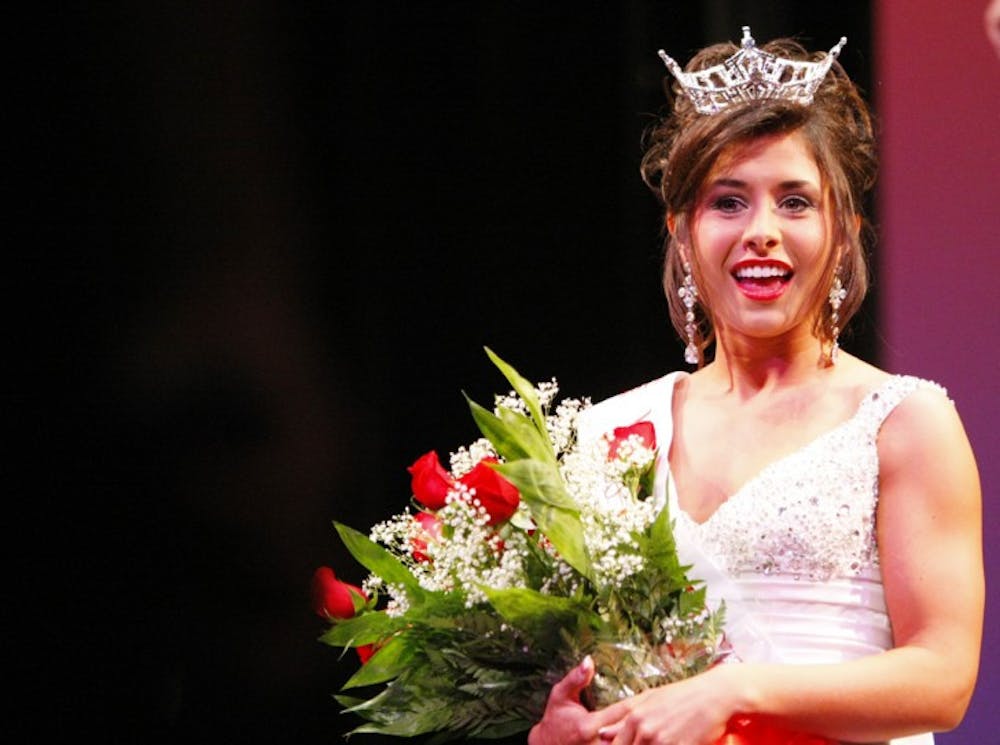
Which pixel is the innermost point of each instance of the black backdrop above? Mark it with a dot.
(285, 232)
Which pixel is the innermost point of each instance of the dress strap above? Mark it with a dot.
(878, 404)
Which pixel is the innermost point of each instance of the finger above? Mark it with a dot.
(616, 711)
(607, 734)
(611, 718)
(575, 681)
(624, 731)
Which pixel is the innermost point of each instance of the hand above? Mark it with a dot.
(566, 721)
(690, 712)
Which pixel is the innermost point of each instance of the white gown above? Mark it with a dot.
(793, 551)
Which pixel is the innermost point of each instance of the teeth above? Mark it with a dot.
(759, 272)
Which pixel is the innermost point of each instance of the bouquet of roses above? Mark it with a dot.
(532, 550)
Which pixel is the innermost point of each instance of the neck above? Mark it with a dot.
(750, 366)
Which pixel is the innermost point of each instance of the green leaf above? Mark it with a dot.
(378, 706)
(408, 723)
(366, 628)
(404, 710)
(512, 434)
(660, 549)
(348, 702)
(506, 443)
(647, 480)
(387, 663)
(524, 389)
(565, 531)
(507, 728)
(379, 561)
(691, 602)
(536, 444)
(543, 617)
(552, 509)
(538, 482)
(437, 608)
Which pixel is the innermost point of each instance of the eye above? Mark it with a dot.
(796, 203)
(727, 203)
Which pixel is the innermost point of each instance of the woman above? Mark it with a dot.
(835, 507)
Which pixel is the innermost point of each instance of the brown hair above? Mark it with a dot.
(682, 149)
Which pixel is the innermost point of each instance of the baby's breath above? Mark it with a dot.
(465, 458)
(463, 555)
(399, 601)
(547, 392)
(562, 424)
(509, 401)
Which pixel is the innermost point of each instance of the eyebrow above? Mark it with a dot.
(738, 184)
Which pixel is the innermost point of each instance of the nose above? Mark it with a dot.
(761, 234)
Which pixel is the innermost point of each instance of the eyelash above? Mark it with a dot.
(801, 203)
(727, 203)
(730, 203)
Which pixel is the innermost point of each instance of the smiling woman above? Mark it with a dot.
(822, 500)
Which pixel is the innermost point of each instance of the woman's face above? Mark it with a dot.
(761, 240)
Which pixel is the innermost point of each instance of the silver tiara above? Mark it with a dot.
(751, 75)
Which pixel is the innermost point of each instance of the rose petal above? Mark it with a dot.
(430, 482)
(496, 494)
(332, 598)
(644, 430)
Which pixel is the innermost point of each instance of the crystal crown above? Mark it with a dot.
(751, 75)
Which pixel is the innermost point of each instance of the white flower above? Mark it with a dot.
(465, 459)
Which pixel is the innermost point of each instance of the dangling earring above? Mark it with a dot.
(689, 296)
(837, 295)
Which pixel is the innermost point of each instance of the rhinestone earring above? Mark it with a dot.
(689, 296)
(837, 295)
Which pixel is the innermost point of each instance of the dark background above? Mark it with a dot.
(281, 235)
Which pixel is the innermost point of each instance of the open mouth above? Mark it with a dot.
(762, 281)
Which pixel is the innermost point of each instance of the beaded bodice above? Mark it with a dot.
(793, 553)
(811, 513)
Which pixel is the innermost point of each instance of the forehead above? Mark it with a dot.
(786, 155)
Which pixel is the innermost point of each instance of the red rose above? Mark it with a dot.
(365, 651)
(494, 492)
(644, 430)
(430, 482)
(430, 532)
(332, 598)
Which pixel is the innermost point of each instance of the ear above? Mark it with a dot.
(671, 223)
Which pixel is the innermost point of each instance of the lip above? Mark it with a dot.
(766, 288)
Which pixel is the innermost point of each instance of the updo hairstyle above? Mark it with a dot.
(682, 149)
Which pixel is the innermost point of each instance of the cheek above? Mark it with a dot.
(712, 239)
(810, 244)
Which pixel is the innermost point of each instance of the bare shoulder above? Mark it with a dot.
(923, 444)
(924, 428)
(925, 421)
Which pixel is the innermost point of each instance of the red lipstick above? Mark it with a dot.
(762, 279)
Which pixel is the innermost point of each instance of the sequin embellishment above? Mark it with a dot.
(810, 514)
